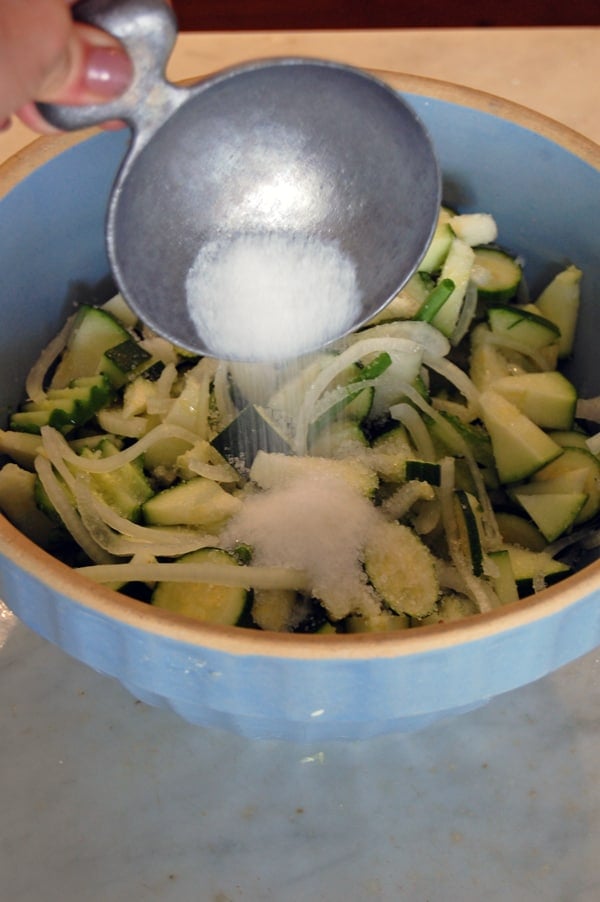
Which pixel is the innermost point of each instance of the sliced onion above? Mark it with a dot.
(34, 384)
(57, 448)
(215, 574)
(67, 513)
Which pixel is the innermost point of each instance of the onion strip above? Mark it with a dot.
(247, 577)
(34, 384)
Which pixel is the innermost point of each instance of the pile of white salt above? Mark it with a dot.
(271, 297)
(317, 523)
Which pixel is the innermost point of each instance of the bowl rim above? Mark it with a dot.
(104, 602)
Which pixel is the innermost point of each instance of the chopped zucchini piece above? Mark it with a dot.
(224, 605)
(401, 570)
(504, 583)
(124, 361)
(554, 513)
(198, 502)
(457, 269)
(516, 530)
(522, 325)
(467, 521)
(578, 469)
(274, 471)
(94, 331)
(535, 569)
(520, 447)
(17, 502)
(547, 398)
(496, 274)
(559, 302)
(250, 432)
(64, 408)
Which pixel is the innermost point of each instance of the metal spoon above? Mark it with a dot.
(296, 146)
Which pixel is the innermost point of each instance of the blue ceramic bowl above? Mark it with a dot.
(541, 182)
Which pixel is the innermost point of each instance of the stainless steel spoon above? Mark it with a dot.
(296, 146)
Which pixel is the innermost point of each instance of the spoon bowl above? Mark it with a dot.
(306, 149)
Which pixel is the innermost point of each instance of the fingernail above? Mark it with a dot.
(108, 71)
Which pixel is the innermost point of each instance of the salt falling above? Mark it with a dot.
(271, 297)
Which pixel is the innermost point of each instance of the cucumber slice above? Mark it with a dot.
(124, 361)
(381, 622)
(450, 608)
(579, 468)
(94, 331)
(250, 432)
(438, 249)
(520, 447)
(64, 408)
(225, 605)
(559, 302)
(516, 530)
(423, 471)
(342, 439)
(22, 447)
(521, 325)
(534, 567)
(467, 521)
(199, 502)
(273, 609)
(125, 489)
(496, 274)
(548, 399)
(401, 569)
(553, 513)
(457, 269)
(17, 502)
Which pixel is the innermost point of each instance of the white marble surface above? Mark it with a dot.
(107, 800)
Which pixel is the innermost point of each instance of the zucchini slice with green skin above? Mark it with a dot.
(467, 521)
(401, 569)
(251, 431)
(224, 605)
(547, 398)
(559, 302)
(517, 530)
(579, 470)
(522, 325)
(554, 513)
(64, 408)
(456, 269)
(198, 502)
(439, 246)
(496, 274)
(532, 567)
(520, 447)
(94, 331)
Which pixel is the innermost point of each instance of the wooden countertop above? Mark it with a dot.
(555, 71)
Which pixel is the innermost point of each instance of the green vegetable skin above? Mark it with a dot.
(215, 439)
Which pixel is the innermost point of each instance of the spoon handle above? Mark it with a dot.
(147, 29)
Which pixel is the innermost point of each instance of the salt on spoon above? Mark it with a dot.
(301, 164)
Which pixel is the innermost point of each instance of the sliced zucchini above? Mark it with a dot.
(535, 569)
(343, 438)
(423, 471)
(554, 513)
(517, 530)
(457, 269)
(384, 621)
(451, 607)
(224, 605)
(355, 406)
(578, 469)
(496, 274)
(547, 398)
(467, 521)
(401, 569)
(273, 609)
(64, 408)
(94, 331)
(251, 431)
(124, 361)
(438, 248)
(520, 447)
(522, 325)
(125, 489)
(198, 502)
(22, 447)
(559, 302)
(17, 502)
